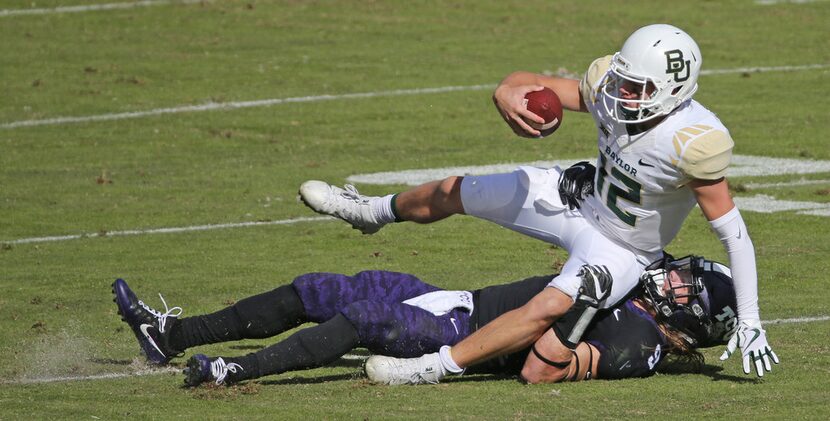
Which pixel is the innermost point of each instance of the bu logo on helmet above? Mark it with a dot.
(676, 65)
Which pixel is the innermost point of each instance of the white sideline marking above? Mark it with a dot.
(741, 166)
(796, 320)
(355, 357)
(764, 69)
(211, 106)
(801, 182)
(767, 204)
(165, 230)
(750, 166)
(816, 212)
(167, 370)
(774, 2)
(130, 5)
(234, 105)
(92, 7)
(105, 376)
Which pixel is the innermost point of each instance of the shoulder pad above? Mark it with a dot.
(589, 85)
(702, 151)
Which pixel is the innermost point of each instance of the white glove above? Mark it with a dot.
(753, 342)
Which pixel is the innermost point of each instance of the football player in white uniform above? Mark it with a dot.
(660, 153)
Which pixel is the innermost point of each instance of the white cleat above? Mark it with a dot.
(348, 204)
(395, 371)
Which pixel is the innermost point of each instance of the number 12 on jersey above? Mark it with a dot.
(610, 195)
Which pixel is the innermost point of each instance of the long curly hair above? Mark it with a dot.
(681, 355)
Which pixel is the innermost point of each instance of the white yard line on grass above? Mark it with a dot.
(164, 230)
(104, 376)
(796, 320)
(795, 183)
(145, 3)
(212, 106)
(742, 166)
(355, 357)
(168, 370)
(763, 203)
(92, 7)
(774, 2)
(764, 69)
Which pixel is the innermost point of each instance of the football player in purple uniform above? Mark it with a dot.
(681, 305)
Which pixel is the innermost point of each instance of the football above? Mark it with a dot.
(545, 104)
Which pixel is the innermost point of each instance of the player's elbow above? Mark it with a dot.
(531, 375)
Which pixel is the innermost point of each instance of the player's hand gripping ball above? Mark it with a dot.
(545, 104)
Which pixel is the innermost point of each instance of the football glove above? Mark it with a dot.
(752, 340)
(595, 289)
(576, 183)
(596, 285)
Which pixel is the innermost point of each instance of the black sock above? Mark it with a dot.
(309, 348)
(249, 368)
(257, 317)
(395, 208)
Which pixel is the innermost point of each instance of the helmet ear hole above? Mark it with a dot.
(676, 90)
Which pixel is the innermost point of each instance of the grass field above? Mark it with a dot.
(102, 140)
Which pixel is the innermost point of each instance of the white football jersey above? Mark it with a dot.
(641, 194)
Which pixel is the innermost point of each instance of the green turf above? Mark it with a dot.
(244, 165)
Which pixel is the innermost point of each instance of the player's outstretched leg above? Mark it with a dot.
(308, 348)
(347, 204)
(424, 204)
(151, 327)
(163, 336)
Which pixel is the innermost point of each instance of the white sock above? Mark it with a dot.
(447, 362)
(382, 209)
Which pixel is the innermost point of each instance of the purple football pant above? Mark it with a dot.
(372, 302)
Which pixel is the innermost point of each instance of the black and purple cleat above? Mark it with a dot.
(151, 327)
(201, 368)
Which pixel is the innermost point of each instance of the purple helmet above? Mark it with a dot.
(695, 296)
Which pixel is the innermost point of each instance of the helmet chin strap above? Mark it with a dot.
(626, 115)
(633, 113)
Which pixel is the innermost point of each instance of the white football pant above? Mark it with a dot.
(527, 201)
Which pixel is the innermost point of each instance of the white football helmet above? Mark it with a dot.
(661, 55)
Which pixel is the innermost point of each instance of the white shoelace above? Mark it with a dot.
(418, 378)
(413, 370)
(350, 192)
(219, 369)
(162, 317)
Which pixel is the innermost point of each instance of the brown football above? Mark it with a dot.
(545, 104)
